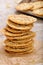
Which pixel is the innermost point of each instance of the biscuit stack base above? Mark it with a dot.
(19, 38)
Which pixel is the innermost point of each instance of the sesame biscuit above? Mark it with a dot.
(14, 34)
(37, 5)
(16, 45)
(24, 52)
(24, 6)
(38, 12)
(15, 26)
(12, 30)
(29, 35)
(17, 50)
(20, 41)
(22, 19)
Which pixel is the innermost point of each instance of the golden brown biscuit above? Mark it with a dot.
(20, 41)
(38, 12)
(37, 5)
(18, 50)
(19, 27)
(15, 30)
(24, 6)
(22, 19)
(14, 34)
(29, 35)
(16, 45)
(25, 52)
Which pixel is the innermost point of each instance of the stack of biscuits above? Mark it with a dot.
(19, 37)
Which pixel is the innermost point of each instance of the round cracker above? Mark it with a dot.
(16, 45)
(15, 30)
(29, 35)
(20, 41)
(18, 50)
(24, 6)
(19, 27)
(25, 52)
(22, 19)
(38, 12)
(14, 34)
(37, 5)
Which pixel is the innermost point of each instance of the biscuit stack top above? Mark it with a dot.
(19, 38)
(22, 19)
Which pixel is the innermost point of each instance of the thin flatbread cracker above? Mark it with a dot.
(22, 19)
(16, 45)
(29, 35)
(38, 12)
(24, 6)
(37, 5)
(18, 50)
